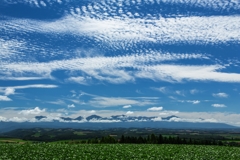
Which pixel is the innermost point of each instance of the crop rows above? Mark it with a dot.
(56, 151)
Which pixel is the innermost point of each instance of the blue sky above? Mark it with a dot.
(120, 57)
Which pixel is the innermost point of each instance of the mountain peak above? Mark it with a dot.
(93, 117)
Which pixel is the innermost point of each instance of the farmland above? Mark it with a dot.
(42, 151)
(127, 135)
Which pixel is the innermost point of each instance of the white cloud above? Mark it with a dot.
(124, 31)
(109, 102)
(220, 95)
(76, 101)
(110, 6)
(43, 3)
(4, 98)
(180, 93)
(194, 91)
(138, 91)
(221, 117)
(9, 91)
(168, 113)
(22, 78)
(80, 80)
(113, 70)
(175, 119)
(214, 4)
(112, 75)
(157, 119)
(30, 86)
(17, 119)
(127, 106)
(117, 31)
(179, 73)
(36, 86)
(161, 89)
(8, 48)
(59, 1)
(92, 111)
(219, 105)
(155, 109)
(120, 101)
(193, 120)
(3, 119)
(57, 102)
(194, 101)
(129, 112)
(71, 106)
(36, 3)
(34, 111)
(103, 121)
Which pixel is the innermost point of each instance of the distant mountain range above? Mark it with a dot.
(116, 118)
(117, 121)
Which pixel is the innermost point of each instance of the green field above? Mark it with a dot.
(57, 151)
(11, 140)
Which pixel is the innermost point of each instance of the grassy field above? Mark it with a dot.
(11, 140)
(57, 151)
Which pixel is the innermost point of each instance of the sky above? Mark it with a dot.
(70, 58)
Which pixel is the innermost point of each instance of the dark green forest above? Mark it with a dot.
(128, 136)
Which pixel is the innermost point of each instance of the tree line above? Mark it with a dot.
(151, 139)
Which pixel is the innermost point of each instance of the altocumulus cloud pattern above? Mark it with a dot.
(120, 57)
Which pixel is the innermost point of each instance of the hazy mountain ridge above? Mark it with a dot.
(115, 118)
(98, 122)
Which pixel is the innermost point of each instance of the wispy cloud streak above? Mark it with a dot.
(190, 30)
(31, 86)
(108, 4)
(113, 69)
(178, 73)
